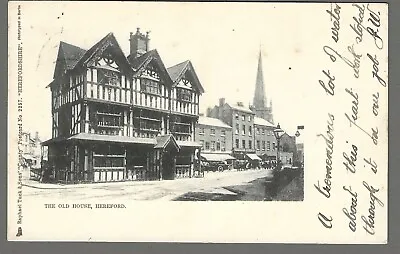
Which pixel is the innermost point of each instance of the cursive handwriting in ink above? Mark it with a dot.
(326, 190)
(335, 14)
(369, 221)
(372, 164)
(327, 222)
(350, 162)
(376, 23)
(355, 64)
(373, 135)
(358, 27)
(375, 104)
(353, 209)
(330, 90)
(375, 70)
(354, 107)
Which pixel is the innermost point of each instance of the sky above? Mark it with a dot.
(223, 42)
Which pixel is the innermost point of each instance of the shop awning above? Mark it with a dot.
(216, 157)
(253, 157)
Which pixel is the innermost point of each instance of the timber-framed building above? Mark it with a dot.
(117, 118)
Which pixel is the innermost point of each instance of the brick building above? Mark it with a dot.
(241, 119)
(215, 137)
(264, 139)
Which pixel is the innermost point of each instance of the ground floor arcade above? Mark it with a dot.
(101, 158)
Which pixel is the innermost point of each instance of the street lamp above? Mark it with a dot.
(278, 132)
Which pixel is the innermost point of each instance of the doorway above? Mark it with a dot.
(168, 165)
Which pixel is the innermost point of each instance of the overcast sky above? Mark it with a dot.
(221, 40)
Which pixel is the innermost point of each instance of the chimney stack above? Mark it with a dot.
(139, 43)
(221, 101)
(240, 104)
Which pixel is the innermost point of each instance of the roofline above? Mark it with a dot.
(226, 127)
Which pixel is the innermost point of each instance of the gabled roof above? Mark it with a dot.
(163, 141)
(141, 62)
(261, 121)
(209, 121)
(67, 57)
(71, 57)
(71, 54)
(97, 49)
(177, 71)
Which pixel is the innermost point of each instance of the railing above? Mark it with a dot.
(182, 171)
(137, 173)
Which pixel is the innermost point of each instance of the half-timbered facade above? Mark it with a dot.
(118, 118)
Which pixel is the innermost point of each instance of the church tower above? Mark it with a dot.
(260, 106)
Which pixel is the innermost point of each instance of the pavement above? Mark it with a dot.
(213, 182)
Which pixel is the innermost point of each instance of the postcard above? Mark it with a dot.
(198, 122)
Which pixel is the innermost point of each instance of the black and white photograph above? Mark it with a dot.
(141, 116)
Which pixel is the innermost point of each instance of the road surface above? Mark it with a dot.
(213, 182)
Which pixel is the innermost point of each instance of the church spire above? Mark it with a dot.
(260, 100)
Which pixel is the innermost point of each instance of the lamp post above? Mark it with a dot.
(278, 132)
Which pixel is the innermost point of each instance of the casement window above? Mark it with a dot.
(207, 145)
(183, 94)
(268, 145)
(250, 131)
(237, 129)
(263, 145)
(150, 86)
(258, 145)
(237, 143)
(250, 144)
(244, 144)
(212, 132)
(108, 77)
(223, 132)
(244, 130)
(218, 146)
